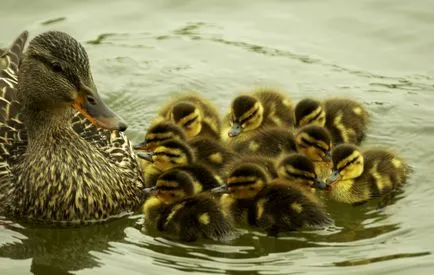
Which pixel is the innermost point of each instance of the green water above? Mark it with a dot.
(143, 52)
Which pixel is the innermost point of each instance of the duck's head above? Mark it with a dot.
(173, 185)
(315, 142)
(348, 163)
(188, 116)
(244, 182)
(55, 75)
(246, 114)
(159, 133)
(169, 154)
(297, 168)
(309, 111)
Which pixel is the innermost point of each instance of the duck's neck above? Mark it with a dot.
(43, 124)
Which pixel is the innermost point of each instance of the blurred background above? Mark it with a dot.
(143, 53)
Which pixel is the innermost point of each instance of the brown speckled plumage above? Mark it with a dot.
(56, 166)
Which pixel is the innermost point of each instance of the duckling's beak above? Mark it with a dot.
(319, 184)
(146, 156)
(328, 155)
(334, 177)
(150, 190)
(140, 146)
(88, 103)
(235, 130)
(220, 189)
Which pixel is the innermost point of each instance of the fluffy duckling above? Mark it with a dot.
(195, 115)
(272, 206)
(261, 109)
(315, 142)
(298, 169)
(176, 208)
(270, 142)
(345, 119)
(359, 176)
(176, 153)
(208, 151)
(158, 133)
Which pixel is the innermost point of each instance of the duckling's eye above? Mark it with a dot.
(246, 120)
(172, 195)
(189, 122)
(251, 188)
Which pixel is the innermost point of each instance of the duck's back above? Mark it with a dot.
(346, 120)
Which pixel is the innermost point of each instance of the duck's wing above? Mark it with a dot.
(13, 139)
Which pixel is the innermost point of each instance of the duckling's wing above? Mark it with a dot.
(13, 139)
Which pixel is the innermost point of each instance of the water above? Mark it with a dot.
(144, 52)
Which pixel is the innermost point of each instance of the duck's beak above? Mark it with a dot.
(140, 146)
(150, 190)
(88, 103)
(235, 130)
(220, 189)
(146, 156)
(334, 177)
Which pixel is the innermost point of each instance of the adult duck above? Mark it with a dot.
(57, 164)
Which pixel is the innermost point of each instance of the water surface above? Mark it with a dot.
(379, 52)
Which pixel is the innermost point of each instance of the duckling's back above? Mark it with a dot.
(195, 217)
(212, 153)
(383, 170)
(269, 142)
(278, 109)
(346, 120)
(283, 207)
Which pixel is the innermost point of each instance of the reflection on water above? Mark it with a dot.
(144, 52)
(59, 250)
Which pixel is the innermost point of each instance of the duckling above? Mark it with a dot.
(262, 108)
(176, 153)
(298, 169)
(270, 142)
(315, 142)
(359, 176)
(195, 115)
(176, 208)
(345, 119)
(272, 206)
(159, 133)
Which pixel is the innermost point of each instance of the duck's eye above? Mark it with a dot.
(91, 100)
(251, 188)
(172, 195)
(56, 67)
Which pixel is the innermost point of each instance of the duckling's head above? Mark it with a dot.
(245, 181)
(309, 111)
(298, 168)
(169, 154)
(173, 185)
(348, 163)
(159, 133)
(55, 75)
(246, 114)
(315, 142)
(188, 116)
